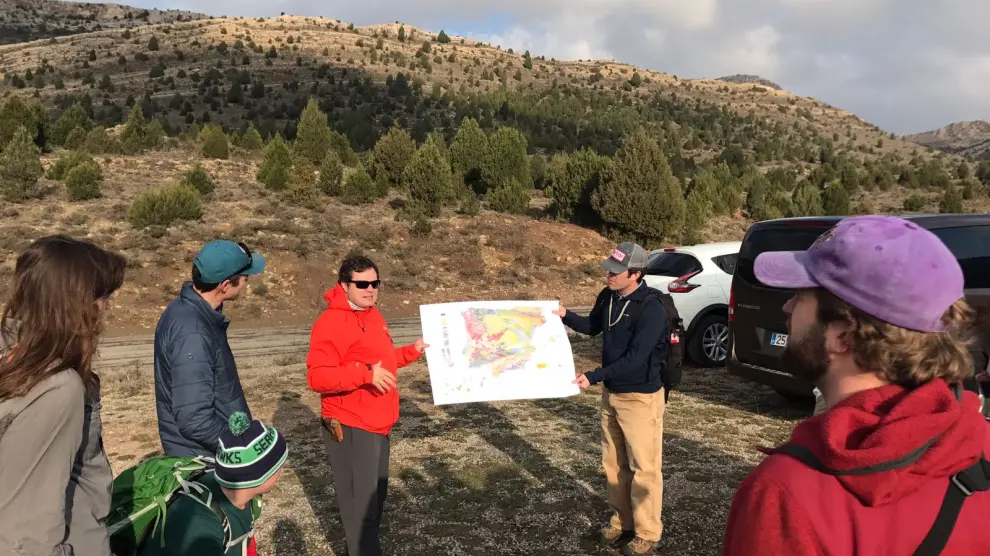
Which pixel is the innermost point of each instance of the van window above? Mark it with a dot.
(774, 239)
(672, 264)
(726, 262)
(971, 246)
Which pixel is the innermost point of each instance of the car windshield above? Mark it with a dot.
(672, 264)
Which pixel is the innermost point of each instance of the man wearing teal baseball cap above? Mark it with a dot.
(197, 387)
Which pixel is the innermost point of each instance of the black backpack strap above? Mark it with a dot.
(638, 309)
(962, 485)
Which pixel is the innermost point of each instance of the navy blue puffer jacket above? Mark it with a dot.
(196, 383)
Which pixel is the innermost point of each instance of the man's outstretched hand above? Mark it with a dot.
(582, 381)
(560, 311)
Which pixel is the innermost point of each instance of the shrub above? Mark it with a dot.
(469, 203)
(20, 167)
(914, 203)
(66, 162)
(82, 182)
(200, 180)
(214, 142)
(509, 196)
(952, 201)
(170, 204)
(359, 188)
(98, 141)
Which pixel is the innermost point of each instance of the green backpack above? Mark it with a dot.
(141, 495)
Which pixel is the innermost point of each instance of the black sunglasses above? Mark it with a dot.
(365, 284)
(250, 260)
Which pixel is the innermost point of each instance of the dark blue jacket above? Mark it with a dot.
(632, 358)
(196, 383)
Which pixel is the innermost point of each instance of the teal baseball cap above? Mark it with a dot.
(222, 259)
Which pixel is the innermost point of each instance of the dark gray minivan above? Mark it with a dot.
(758, 326)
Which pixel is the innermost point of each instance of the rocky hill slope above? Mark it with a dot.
(29, 20)
(967, 139)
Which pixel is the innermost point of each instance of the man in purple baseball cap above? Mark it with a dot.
(880, 325)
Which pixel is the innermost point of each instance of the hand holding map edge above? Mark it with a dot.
(560, 311)
(421, 345)
(582, 381)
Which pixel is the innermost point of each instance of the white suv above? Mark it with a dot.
(699, 279)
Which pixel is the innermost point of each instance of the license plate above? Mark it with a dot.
(779, 340)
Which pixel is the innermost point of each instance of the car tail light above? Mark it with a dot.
(732, 304)
(681, 285)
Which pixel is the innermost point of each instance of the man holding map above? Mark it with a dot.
(352, 364)
(635, 343)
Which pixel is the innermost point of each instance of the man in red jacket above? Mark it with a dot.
(352, 364)
(879, 324)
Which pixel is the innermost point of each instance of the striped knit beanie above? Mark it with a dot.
(250, 453)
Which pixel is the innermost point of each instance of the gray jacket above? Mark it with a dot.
(196, 383)
(55, 474)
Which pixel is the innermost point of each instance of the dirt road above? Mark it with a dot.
(124, 351)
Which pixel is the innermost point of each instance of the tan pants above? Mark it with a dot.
(632, 453)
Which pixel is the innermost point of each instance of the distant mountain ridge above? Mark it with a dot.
(968, 139)
(754, 79)
(31, 20)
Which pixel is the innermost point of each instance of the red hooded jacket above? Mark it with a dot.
(786, 507)
(344, 342)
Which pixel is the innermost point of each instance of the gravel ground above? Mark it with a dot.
(518, 477)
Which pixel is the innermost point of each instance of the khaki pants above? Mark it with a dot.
(632, 453)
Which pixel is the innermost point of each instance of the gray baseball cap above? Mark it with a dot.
(625, 256)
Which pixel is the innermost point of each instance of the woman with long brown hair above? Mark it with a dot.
(55, 478)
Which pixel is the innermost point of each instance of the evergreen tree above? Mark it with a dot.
(952, 201)
(393, 152)
(20, 167)
(331, 175)
(467, 151)
(70, 120)
(82, 182)
(807, 200)
(835, 200)
(442, 37)
(313, 134)
(573, 178)
(276, 164)
(18, 112)
(640, 195)
(251, 139)
(359, 188)
(697, 209)
(506, 158)
(427, 177)
(214, 142)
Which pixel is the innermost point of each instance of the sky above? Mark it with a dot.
(905, 65)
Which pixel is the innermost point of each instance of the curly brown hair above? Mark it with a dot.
(902, 356)
(52, 320)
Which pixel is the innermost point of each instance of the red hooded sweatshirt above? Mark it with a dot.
(786, 507)
(344, 344)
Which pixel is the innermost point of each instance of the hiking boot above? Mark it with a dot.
(638, 546)
(613, 536)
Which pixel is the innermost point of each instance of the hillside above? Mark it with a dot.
(967, 139)
(30, 20)
(754, 79)
(471, 172)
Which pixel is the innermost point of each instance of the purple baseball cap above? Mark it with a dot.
(885, 266)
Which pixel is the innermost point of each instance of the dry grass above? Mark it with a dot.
(520, 477)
